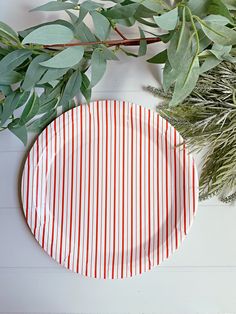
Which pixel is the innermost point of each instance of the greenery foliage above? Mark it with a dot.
(64, 58)
(207, 120)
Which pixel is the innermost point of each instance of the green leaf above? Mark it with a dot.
(27, 31)
(13, 60)
(218, 19)
(108, 54)
(153, 5)
(85, 88)
(167, 20)
(219, 34)
(38, 125)
(54, 6)
(5, 89)
(98, 66)
(199, 7)
(46, 106)
(101, 25)
(7, 109)
(30, 110)
(18, 130)
(10, 78)
(52, 74)
(12, 101)
(179, 46)
(186, 81)
(34, 72)
(71, 89)
(85, 8)
(122, 12)
(7, 32)
(143, 44)
(49, 35)
(210, 62)
(159, 58)
(231, 4)
(217, 7)
(83, 33)
(169, 76)
(66, 58)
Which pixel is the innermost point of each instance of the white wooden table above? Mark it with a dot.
(199, 278)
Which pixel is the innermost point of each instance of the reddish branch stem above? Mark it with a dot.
(109, 43)
(119, 32)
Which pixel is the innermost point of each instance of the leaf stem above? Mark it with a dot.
(109, 43)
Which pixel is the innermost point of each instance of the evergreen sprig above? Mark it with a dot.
(207, 121)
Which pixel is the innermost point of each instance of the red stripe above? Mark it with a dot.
(89, 166)
(37, 186)
(27, 190)
(81, 182)
(63, 187)
(184, 182)
(123, 194)
(175, 191)
(45, 217)
(132, 209)
(167, 200)
(98, 147)
(114, 221)
(106, 187)
(72, 183)
(140, 236)
(158, 200)
(54, 186)
(149, 193)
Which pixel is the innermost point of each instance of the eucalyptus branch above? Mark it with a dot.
(109, 43)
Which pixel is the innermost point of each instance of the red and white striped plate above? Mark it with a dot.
(107, 191)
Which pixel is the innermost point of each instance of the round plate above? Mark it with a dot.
(107, 190)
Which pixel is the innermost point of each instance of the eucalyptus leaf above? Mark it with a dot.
(231, 4)
(85, 87)
(217, 7)
(29, 30)
(143, 44)
(6, 89)
(169, 76)
(167, 20)
(66, 58)
(109, 54)
(12, 60)
(8, 32)
(218, 19)
(122, 12)
(47, 106)
(10, 78)
(19, 130)
(55, 6)
(101, 25)
(179, 46)
(30, 110)
(38, 125)
(49, 35)
(219, 34)
(52, 74)
(34, 72)
(71, 89)
(7, 108)
(83, 33)
(160, 58)
(98, 66)
(199, 7)
(210, 62)
(186, 81)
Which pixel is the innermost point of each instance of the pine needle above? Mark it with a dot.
(207, 119)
